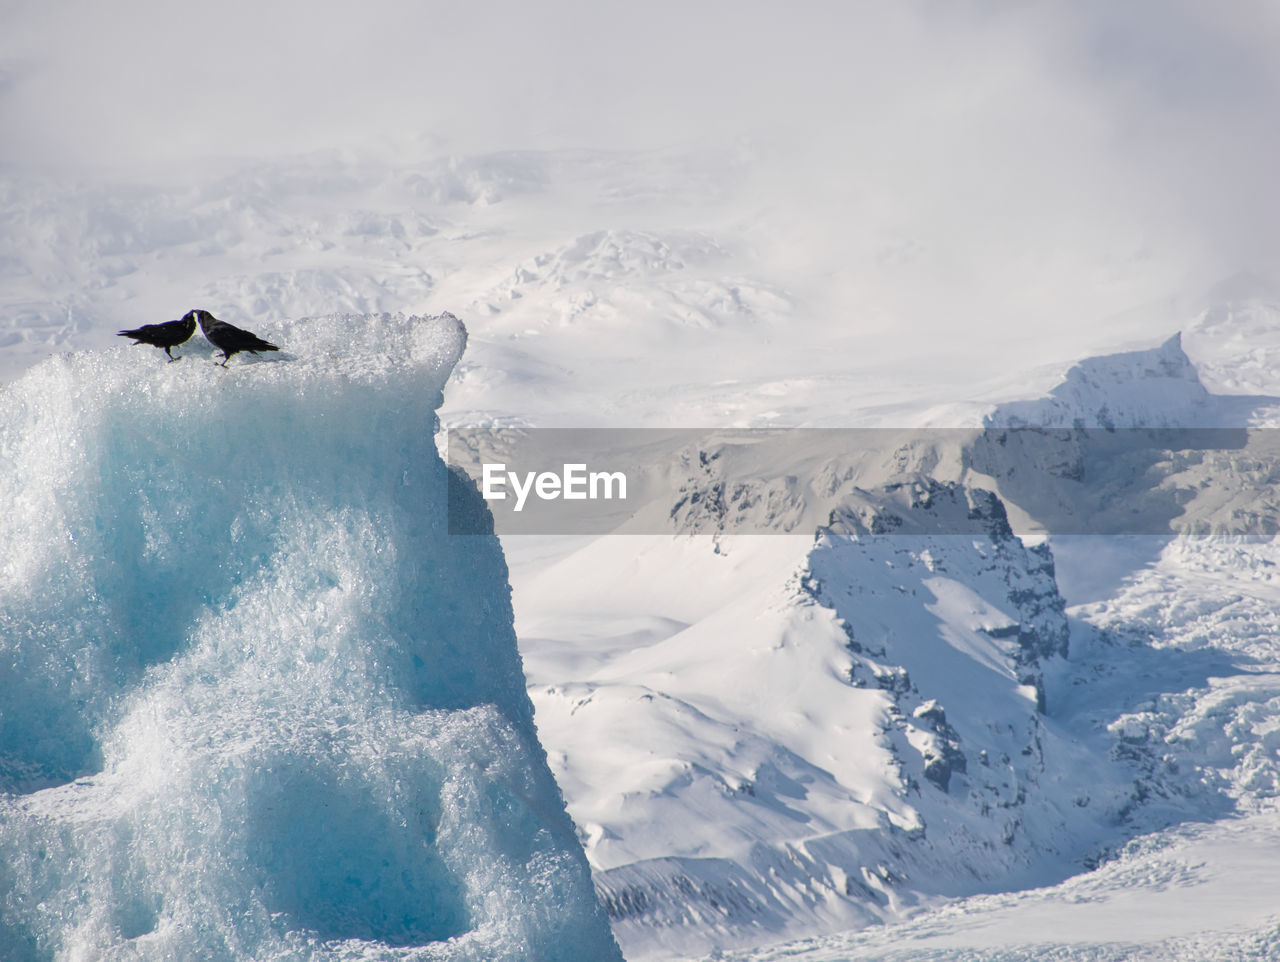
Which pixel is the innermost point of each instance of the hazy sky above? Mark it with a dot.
(163, 79)
(1074, 144)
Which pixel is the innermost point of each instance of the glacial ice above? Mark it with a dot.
(255, 702)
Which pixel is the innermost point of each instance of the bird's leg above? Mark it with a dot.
(171, 357)
(225, 359)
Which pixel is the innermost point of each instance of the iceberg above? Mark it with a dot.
(255, 701)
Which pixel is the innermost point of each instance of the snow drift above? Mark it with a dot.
(256, 702)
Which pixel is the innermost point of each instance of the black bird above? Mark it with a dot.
(166, 335)
(228, 338)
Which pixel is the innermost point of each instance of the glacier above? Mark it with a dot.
(258, 704)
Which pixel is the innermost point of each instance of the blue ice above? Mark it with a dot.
(255, 701)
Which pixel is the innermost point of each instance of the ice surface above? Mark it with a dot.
(1197, 893)
(257, 704)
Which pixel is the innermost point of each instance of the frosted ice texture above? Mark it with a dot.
(255, 702)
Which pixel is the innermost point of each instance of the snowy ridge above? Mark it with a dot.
(1151, 388)
(1033, 612)
(258, 704)
(626, 277)
(1134, 444)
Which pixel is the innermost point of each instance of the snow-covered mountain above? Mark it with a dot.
(818, 749)
(829, 731)
(1173, 679)
(1147, 388)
